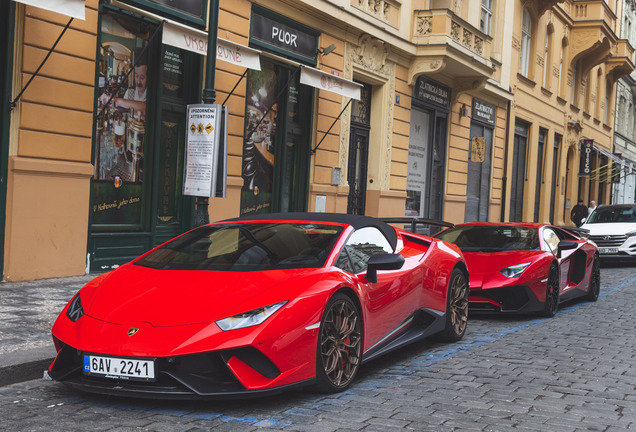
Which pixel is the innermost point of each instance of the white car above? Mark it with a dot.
(613, 229)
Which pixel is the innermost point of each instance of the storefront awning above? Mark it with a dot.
(190, 39)
(324, 81)
(72, 8)
(609, 155)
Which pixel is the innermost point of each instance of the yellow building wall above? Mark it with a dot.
(48, 185)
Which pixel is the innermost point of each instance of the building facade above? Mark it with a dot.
(624, 171)
(568, 57)
(418, 108)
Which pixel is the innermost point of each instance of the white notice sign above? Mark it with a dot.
(204, 123)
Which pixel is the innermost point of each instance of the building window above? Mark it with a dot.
(608, 94)
(564, 43)
(547, 64)
(486, 16)
(526, 34)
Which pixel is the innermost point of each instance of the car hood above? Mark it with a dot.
(180, 297)
(612, 228)
(483, 266)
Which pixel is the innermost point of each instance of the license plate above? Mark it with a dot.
(608, 250)
(119, 368)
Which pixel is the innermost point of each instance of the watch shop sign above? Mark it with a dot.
(294, 38)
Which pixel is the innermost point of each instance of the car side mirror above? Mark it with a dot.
(566, 245)
(383, 262)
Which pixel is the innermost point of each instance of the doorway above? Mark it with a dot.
(359, 152)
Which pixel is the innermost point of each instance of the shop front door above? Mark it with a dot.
(139, 141)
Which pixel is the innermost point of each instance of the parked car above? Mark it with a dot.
(256, 305)
(525, 267)
(613, 229)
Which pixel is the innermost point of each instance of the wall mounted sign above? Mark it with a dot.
(585, 168)
(478, 149)
(484, 112)
(269, 30)
(432, 92)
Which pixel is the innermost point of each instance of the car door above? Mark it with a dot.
(390, 300)
(552, 240)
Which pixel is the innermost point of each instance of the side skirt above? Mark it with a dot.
(422, 324)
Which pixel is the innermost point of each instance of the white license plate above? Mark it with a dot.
(608, 250)
(119, 368)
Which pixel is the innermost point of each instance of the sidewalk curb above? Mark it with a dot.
(28, 371)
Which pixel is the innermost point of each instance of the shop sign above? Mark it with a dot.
(585, 168)
(206, 151)
(189, 7)
(478, 149)
(431, 92)
(484, 112)
(71, 8)
(288, 37)
(324, 81)
(191, 39)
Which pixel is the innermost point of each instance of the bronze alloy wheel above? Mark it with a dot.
(459, 303)
(551, 303)
(595, 281)
(456, 308)
(340, 343)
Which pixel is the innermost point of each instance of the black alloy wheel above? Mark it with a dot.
(595, 281)
(339, 345)
(456, 308)
(551, 304)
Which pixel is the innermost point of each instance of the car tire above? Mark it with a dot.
(339, 351)
(456, 308)
(595, 281)
(551, 303)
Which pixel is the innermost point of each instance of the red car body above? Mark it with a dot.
(492, 251)
(169, 319)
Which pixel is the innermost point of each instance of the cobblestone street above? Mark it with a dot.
(574, 372)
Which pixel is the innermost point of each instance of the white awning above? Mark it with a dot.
(333, 83)
(609, 155)
(72, 8)
(182, 36)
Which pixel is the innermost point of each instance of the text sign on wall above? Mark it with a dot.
(432, 92)
(585, 168)
(205, 150)
(284, 36)
(478, 149)
(484, 112)
(190, 7)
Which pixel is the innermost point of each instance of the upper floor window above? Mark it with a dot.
(485, 23)
(547, 63)
(526, 35)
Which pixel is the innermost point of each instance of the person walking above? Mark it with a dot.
(579, 213)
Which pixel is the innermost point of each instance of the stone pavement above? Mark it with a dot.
(27, 312)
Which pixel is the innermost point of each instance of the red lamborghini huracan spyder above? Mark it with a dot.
(255, 305)
(525, 267)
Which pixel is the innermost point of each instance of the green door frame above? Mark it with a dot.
(7, 23)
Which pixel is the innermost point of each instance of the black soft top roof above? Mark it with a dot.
(356, 221)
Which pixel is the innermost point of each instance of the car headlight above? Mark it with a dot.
(249, 319)
(75, 310)
(514, 271)
(631, 234)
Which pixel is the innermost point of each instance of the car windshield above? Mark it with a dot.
(607, 214)
(246, 247)
(491, 238)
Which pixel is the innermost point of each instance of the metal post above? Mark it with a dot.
(209, 94)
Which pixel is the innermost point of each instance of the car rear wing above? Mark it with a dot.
(581, 232)
(414, 222)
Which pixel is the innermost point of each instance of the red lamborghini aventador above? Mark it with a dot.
(254, 305)
(524, 267)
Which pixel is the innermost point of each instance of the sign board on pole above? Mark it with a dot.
(206, 151)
